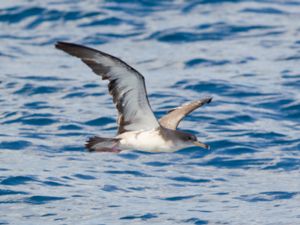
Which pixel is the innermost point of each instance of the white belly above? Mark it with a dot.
(149, 141)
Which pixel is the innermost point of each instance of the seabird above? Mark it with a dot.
(138, 128)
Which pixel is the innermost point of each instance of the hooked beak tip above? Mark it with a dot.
(202, 145)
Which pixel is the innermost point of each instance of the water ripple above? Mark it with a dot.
(29, 89)
(43, 15)
(17, 180)
(189, 179)
(15, 145)
(40, 199)
(268, 196)
(100, 121)
(34, 120)
(133, 173)
(195, 221)
(178, 198)
(10, 192)
(144, 217)
(220, 31)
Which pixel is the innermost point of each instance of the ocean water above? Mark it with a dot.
(245, 54)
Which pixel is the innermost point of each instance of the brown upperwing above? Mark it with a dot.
(173, 118)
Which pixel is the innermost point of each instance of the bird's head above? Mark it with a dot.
(190, 140)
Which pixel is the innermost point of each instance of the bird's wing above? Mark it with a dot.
(173, 118)
(126, 85)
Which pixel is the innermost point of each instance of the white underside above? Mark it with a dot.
(148, 141)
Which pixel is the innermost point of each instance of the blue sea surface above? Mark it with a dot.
(245, 54)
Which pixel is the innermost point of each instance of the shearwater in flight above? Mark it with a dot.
(138, 128)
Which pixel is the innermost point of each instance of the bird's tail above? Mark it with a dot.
(100, 144)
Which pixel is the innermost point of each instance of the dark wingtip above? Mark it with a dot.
(59, 44)
(63, 45)
(209, 99)
(90, 143)
(76, 50)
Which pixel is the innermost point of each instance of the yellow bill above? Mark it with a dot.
(202, 145)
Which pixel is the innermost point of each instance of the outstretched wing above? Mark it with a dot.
(173, 118)
(126, 85)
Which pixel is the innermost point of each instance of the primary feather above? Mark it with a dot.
(126, 85)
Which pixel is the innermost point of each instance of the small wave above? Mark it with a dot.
(189, 179)
(72, 148)
(267, 10)
(84, 176)
(41, 15)
(18, 180)
(285, 164)
(179, 198)
(113, 21)
(217, 87)
(157, 163)
(100, 121)
(15, 145)
(91, 85)
(129, 155)
(290, 58)
(139, 8)
(34, 120)
(227, 162)
(17, 14)
(11, 192)
(268, 196)
(127, 172)
(112, 188)
(205, 62)
(42, 199)
(37, 105)
(70, 127)
(196, 221)
(102, 38)
(30, 89)
(237, 150)
(53, 183)
(191, 5)
(292, 111)
(42, 78)
(220, 31)
(143, 217)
